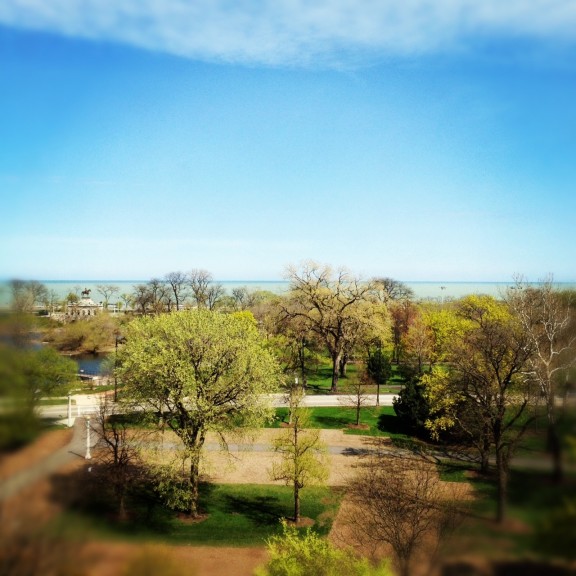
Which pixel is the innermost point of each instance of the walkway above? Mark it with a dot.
(75, 449)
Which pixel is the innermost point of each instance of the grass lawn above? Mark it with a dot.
(532, 497)
(237, 515)
(320, 381)
(380, 421)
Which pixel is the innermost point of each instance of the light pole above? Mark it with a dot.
(88, 455)
(69, 409)
(119, 340)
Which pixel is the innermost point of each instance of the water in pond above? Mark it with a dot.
(90, 364)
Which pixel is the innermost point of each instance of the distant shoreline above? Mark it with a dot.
(423, 289)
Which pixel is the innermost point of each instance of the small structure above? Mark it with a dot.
(85, 307)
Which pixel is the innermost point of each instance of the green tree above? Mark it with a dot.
(204, 370)
(296, 553)
(417, 342)
(302, 453)
(412, 408)
(378, 367)
(337, 307)
(488, 357)
(27, 375)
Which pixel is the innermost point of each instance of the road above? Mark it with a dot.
(84, 404)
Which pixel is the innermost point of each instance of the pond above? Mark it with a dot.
(90, 364)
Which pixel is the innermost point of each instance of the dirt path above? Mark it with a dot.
(244, 464)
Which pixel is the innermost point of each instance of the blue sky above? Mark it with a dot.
(417, 140)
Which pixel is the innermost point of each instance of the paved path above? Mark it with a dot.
(90, 403)
(75, 449)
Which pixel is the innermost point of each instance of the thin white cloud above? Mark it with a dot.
(293, 31)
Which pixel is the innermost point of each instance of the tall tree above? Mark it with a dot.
(334, 305)
(389, 289)
(199, 282)
(26, 376)
(26, 294)
(418, 343)
(488, 359)
(302, 453)
(205, 370)
(178, 283)
(547, 319)
(160, 296)
(142, 299)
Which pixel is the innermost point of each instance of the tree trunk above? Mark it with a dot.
(553, 444)
(195, 452)
(484, 450)
(335, 372)
(122, 515)
(502, 485)
(296, 503)
(343, 365)
(555, 449)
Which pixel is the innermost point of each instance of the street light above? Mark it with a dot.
(69, 409)
(88, 455)
(119, 340)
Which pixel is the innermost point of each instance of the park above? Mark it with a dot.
(445, 441)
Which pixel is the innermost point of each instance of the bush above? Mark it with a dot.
(295, 553)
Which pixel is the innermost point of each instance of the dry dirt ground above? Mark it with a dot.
(240, 466)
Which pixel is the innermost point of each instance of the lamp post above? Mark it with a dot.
(118, 340)
(88, 455)
(69, 409)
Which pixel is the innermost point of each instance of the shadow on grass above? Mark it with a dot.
(390, 423)
(332, 422)
(87, 494)
(261, 510)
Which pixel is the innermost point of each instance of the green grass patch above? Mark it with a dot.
(532, 498)
(236, 515)
(380, 421)
(454, 472)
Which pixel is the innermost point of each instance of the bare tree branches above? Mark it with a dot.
(402, 502)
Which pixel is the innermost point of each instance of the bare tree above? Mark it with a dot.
(142, 299)
(199, 282)
(107, 290)
(214, 295)
(356, 396)
(390, 289)
(26, 294)
(178, 281)
(160, 296)
(51, 301)
(241, 297)
(547, 320)
(127, 299)
(401, 501)
(119, 452)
